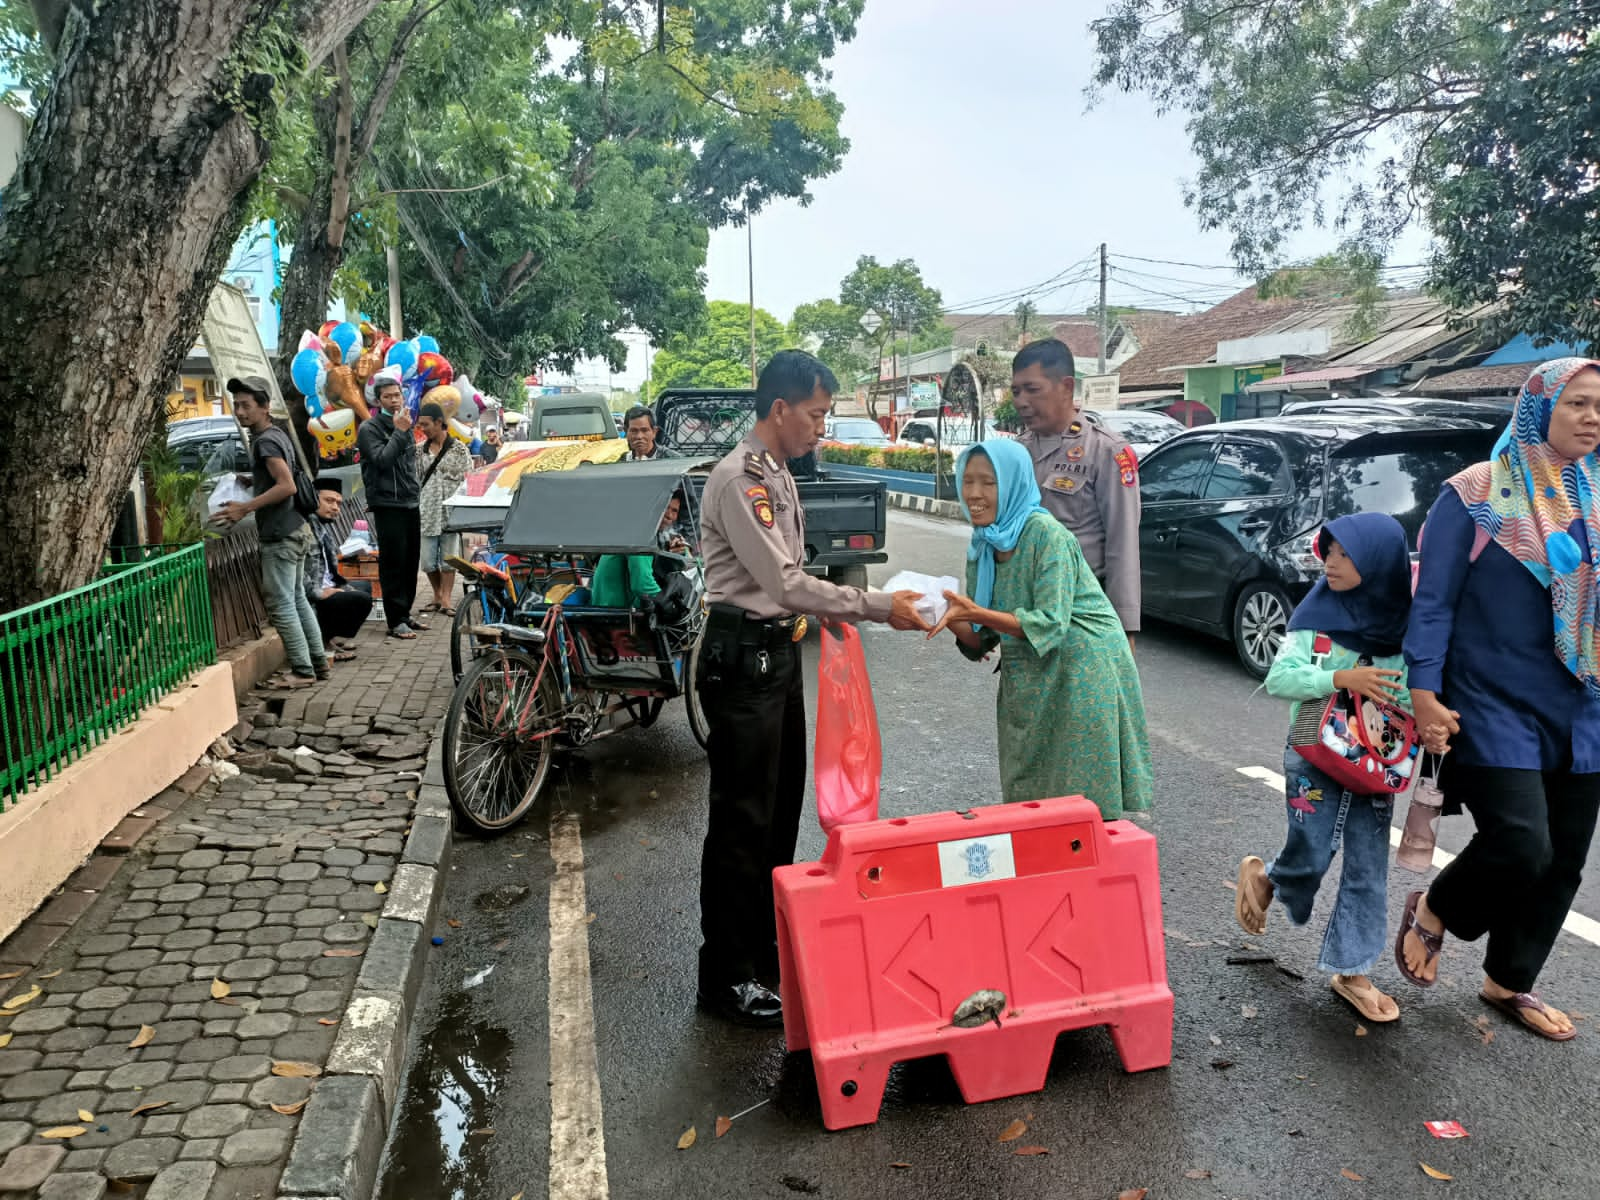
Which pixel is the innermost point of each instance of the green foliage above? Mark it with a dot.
(177, 495)
(896, 458)
(835, 335)
(895, 292)
(1474, 116)
(717, 354)
(25, 64)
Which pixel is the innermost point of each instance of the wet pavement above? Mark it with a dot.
(1275, 1088)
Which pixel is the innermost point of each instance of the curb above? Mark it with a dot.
(339, 1146)
(950, 510)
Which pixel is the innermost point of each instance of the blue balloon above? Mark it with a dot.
(477, 446)
(404, 356)
(348, 338)
(426, 342)
(304, 369)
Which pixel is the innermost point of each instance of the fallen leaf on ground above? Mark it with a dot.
(502, 944)
(452, 922)
(1013, 1131)
(380, 887)
(143, 1037)
(1215, 1040)
(219, 989)
(13, 975)
(1197, 1173)
(5, 1040)
(296, 1070)
(1133, 1194)
(1484, 1031)
(518, 1196)
(589, 920)
(485, 1132)
(1351, 1175)
(1361, 1030)
(342, 952)
(1031, 1151)
(326, 1021)
(1221, 1064)
(687, 1139)
(51, 974)
(1248, 1011)
(1432, 1173)
(289, 1110)
(723, 1125)
(370, 920)
(522, 855)
(902, 1166)
(85, 1115)
(63, 1131)
(27, 997)
(150, 1107)
(1230, 885)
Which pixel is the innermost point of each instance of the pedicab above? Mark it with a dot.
(560, 672)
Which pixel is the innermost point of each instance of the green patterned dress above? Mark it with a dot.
(1071, 712)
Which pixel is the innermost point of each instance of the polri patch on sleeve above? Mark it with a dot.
(760, 504)
(1128, 465)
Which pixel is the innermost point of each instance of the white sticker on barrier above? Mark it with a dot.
(976, 860)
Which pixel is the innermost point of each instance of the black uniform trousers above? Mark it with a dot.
(342, 614)
(1517, 878)
(755, 706)
(399, 533)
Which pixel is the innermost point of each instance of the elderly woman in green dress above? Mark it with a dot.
(1071, 714)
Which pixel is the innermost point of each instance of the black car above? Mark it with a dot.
(1231, 511)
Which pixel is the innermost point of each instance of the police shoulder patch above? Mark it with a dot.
(1128, 466)
(752, 465)
(762, 507)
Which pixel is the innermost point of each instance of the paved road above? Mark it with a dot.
(1272, 1089)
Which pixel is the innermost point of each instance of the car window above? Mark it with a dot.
(1142, 429)
(857, 430)
(1401, 477)
(573, 422)
(193, 454)
(1245, 469)
(1176, 473)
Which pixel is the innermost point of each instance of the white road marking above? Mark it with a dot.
(577, 1125)
(1576, 923)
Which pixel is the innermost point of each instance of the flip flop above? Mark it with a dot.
(1517, 1008)
(446, 610)
(1364, 1002)
(1244, 897)
(403, 633)
(344, 656)
(1433, 943)
(419, 626)
(288, 683)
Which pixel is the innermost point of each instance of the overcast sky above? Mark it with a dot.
(973, 152)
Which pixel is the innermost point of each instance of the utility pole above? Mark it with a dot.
(750, 259)
(1101, 369)
(396, 321)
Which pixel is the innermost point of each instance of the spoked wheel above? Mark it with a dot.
(494, 766)
(698, 724)
(463, 649)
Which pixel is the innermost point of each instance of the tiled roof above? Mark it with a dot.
(1509, 377)
(1177, 341)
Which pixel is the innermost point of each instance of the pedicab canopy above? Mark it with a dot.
(593, 509)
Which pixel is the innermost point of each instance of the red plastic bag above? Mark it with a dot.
(849, 754)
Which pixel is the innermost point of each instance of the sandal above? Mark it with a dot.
(446, 610)
(288, 683)
(403, 633)
(1247, 910)
(1433, 943)
(1366, 1001)
(1519, 1006)
(344, 656)
(419, 626)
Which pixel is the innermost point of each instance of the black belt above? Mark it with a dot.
(726, 621)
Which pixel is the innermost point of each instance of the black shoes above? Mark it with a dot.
(746, 1003)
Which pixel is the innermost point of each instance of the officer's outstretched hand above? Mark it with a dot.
(905, 615)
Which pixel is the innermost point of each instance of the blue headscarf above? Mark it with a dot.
(1018, 500)
(1370, 618)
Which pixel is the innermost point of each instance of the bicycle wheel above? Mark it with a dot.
(472, 611)
(698, 724)
(493, 767)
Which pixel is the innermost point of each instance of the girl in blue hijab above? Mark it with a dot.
(1070, 711)
(1345, 635)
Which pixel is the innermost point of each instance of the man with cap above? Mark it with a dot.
(393, 493)
(341, 604)
(1088, 478)
(281, 531)
(751, 687)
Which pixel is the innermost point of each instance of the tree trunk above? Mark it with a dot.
(127, 200)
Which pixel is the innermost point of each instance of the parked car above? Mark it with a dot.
(211, 446)
(1398, 406)
(569, 417)
(855, 431)
(1231, 511)
(1143, 431)
(954, 435)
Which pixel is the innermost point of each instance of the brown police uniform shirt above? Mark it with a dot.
(752, 536)
(1089, 479)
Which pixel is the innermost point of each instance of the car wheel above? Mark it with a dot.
(1260, 620)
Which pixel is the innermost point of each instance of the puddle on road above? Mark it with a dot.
(450, 1095)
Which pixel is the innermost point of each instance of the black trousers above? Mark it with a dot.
(342, 614)
(1516, 879)
(757, 755)
(399, 533)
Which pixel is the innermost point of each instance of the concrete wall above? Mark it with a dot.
(46, 834)
(13, 133)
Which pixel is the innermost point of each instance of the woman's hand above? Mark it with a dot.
(1370, 683)
(959, 614)
(1437, 723)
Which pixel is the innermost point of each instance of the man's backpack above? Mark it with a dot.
(305, 488)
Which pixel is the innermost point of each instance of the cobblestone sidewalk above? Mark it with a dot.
(167, 1014)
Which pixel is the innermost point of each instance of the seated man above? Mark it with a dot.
(626, 580)
(341, 604)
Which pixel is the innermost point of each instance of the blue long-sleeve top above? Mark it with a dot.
(1483, 639)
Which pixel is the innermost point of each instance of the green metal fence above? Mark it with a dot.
(78, 667)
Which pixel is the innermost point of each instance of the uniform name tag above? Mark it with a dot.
(976, 860)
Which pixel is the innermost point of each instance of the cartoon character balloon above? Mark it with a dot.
(335, 432)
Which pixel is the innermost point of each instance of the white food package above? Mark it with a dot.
(932, 588)
(229, 490)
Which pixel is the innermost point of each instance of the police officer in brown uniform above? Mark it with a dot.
(753, 541)
(1088, 478)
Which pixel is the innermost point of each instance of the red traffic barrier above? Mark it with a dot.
(979, 935)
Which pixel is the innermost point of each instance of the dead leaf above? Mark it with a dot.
(1197, 1173)
(143, 1038)
(63, 1131)
(687, 1139)
(27, 997)
(522, 855)
(51, 974)
(502, 944)
(1361, 1030)
(13, 975)
(589, 920)
(370, 920)
(1431, 1173)
(1484, 1031)
(85, 1115)
(5, 1040)
(1221, 1064)
(723, 1125)
(901, 1166)
(453, 923)
(326, 1021)
(150, 1107)
(1013, 1131)
(1031, 1151)
(342, 952)
(1215, 1040)
(219, 989)
(488, 1131)
(296, 1070)
(1133, 1194)
(1351, 1175)
(518, 1196)
(1230, 885)
(289, 1110)
(380, 887)
(1248, 1011)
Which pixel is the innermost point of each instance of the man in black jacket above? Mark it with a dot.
(341, 604)
(388, 471)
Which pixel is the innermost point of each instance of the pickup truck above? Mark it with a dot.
(846, 522)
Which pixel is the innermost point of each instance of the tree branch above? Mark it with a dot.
(50, 18)
(339, 181)
(430, 191)
(383, 90)
(320, 25)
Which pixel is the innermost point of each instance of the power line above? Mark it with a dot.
(1233, 267)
